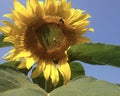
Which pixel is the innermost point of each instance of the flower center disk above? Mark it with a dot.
(50, 36)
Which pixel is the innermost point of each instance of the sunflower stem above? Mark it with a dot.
(46, 87)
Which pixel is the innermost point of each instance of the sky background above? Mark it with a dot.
(106, 22)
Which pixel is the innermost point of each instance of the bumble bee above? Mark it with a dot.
(61, 21)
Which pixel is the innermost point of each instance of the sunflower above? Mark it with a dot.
(41, 32)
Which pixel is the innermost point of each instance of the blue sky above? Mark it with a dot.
(106, 22)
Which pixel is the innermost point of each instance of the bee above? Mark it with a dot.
(61, 21)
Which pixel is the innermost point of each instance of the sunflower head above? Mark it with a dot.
(42, 32)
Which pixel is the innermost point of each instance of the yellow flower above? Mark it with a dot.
(42, 32)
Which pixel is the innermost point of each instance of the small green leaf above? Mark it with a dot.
(14, 83)
(87, 86)
(76, 69)
(5, 44)
(100, 54)
(40, 80)
(2, 37)
(14, 64)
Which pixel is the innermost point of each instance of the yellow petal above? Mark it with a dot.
(63, 2)
(82, 40)
(17, 18)
(75, 16)
(11, 25)
(54, 74)
(39, 68)
(22, 65)
(9, 55)
(22, 54)
(47, 70)
(8, 16)
(9, 39)
(5, 29)
(91, 29)
(20, 18)
(68, 6)
(8, 23)
(64, 69)
(29, 8)
(19, 7)
(63, 9)
(34, 4)
(40, 10)
(50, 7)
(14, 40)
(79, 18)
(29, 62)
(81, 24)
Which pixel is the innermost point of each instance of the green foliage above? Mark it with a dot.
(76, 69)
(87, 86)
(100, 54)
(14, 64)
(2, 37)
(4, 44)
(14, 83)
(40, 80)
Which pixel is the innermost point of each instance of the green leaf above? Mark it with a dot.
(76, 69)
(14, 83)
(14, 64)
(40, 80)
(5, 44)
(100, 54)
(87, 86)
(2, 37)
